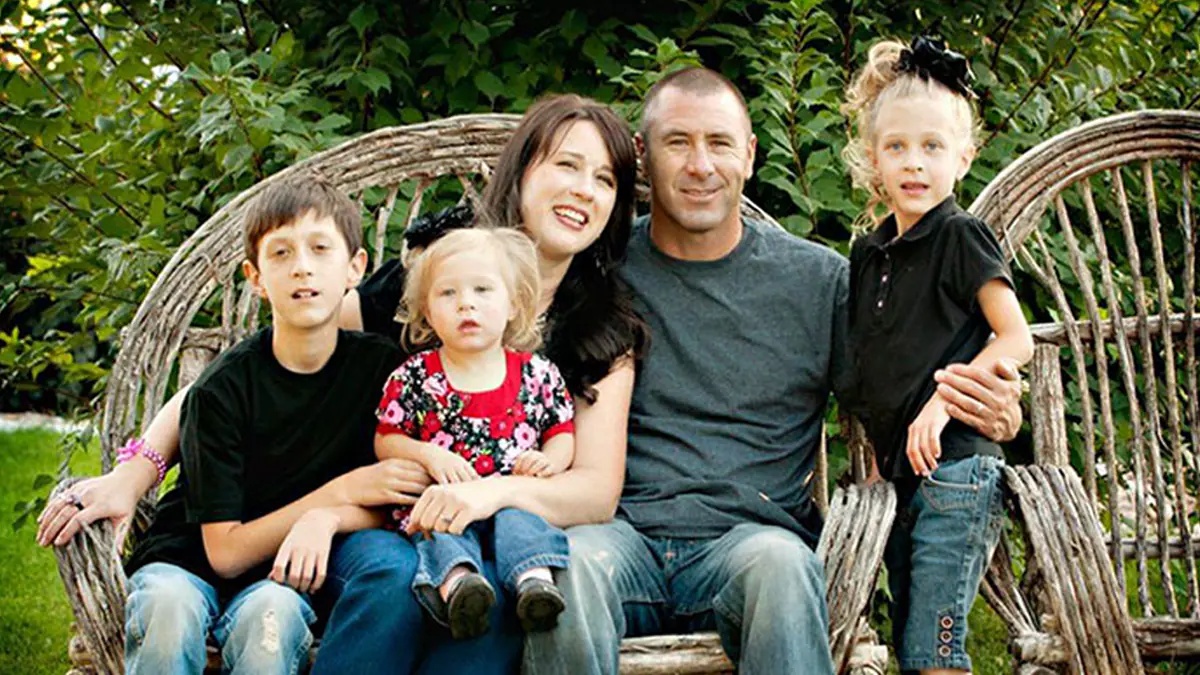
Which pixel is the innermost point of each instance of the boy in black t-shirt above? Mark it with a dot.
(271, 434)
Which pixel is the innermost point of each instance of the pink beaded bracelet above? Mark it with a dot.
(138, 446)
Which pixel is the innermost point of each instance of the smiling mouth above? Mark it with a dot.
(572, 217)
(697, 193)
(305, 294)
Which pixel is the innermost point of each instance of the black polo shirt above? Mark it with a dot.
(914, 309)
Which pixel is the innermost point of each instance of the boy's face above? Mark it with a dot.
(921, 150)
(304, 270)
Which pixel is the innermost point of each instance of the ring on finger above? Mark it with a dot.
(74, 500)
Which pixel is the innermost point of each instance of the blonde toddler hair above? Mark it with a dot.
(879, 82)
(519, 270)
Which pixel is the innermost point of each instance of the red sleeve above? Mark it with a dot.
(393, 412)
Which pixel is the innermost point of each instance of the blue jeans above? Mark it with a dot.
(939, 548)
(263, 629)
(517, 540)
(760, 586)
(377, 626)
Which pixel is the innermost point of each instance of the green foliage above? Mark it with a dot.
(124, 126)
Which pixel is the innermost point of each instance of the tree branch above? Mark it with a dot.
(33, 69)
(1004, 34)
(153, 38)
(75, 172)
(104, 50)
(79, 214)
(1050, 64)
(246, 26)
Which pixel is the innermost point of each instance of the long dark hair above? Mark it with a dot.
(593, 323)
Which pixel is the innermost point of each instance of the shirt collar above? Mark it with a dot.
(886, 232)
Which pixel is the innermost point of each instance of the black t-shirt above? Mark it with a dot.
(255, 437)
(913, 310)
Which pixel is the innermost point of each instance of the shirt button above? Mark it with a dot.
(885, 277)
(879, 304)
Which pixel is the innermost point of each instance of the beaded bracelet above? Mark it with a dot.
(138, 446)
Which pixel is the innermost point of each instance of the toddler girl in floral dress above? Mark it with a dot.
(479, 404)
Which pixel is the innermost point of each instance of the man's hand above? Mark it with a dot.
(924, 436)
(988, 401)
(303, 558)
(109, 496)
(535, 463)
(384, 483)
(448, 467)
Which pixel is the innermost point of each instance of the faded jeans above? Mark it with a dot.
(263, 629)
(760, 586)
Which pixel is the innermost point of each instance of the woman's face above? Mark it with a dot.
(568, 195)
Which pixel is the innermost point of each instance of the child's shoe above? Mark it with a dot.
(469, 606)
(539, 602)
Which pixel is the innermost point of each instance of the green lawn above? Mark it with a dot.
(34, 615)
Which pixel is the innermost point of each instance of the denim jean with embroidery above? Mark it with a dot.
(939, 549)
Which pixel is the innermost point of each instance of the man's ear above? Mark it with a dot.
(252, 276)
(751, 149)
(358, 267)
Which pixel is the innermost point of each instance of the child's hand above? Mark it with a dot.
(303, 558)
(448, 467)
(534, 463)
(924, 436)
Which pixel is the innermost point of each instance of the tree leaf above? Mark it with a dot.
(220, 62)
(374, 79)
(488, 83)
(362, 18)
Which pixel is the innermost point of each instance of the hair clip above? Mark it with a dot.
(430, 227)
(928, 58)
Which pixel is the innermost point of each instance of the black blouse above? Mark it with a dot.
(913, 310)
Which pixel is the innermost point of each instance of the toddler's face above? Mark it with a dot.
(921, 149)
(469, 305)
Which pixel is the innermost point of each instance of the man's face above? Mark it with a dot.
(699, 152)
(304, 270)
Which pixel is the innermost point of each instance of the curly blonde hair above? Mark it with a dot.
(519, 270)
(879, 82)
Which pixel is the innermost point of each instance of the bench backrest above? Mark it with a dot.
(1103, 217)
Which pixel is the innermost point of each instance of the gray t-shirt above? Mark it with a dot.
(726, 416)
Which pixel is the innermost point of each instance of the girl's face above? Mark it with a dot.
(567, 196)
(921, 149)
(469, 304)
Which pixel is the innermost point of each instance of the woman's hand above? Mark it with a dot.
(451, 508)
(988, 401)
(114, 496)
(384, 483)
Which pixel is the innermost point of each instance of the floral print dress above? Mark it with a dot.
(489, 429)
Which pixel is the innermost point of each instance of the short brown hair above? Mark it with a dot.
(520, 273)
(692, 80)
(282, 202)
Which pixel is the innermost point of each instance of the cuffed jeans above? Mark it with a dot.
(761, 587)
(377, 627)
(517, 540)
(263, 629)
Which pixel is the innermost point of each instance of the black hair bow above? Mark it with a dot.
(431, 226)
(928, 57)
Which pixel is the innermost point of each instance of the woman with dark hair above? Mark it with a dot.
(566, 178)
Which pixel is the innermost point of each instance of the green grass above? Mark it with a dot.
(34, 615)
